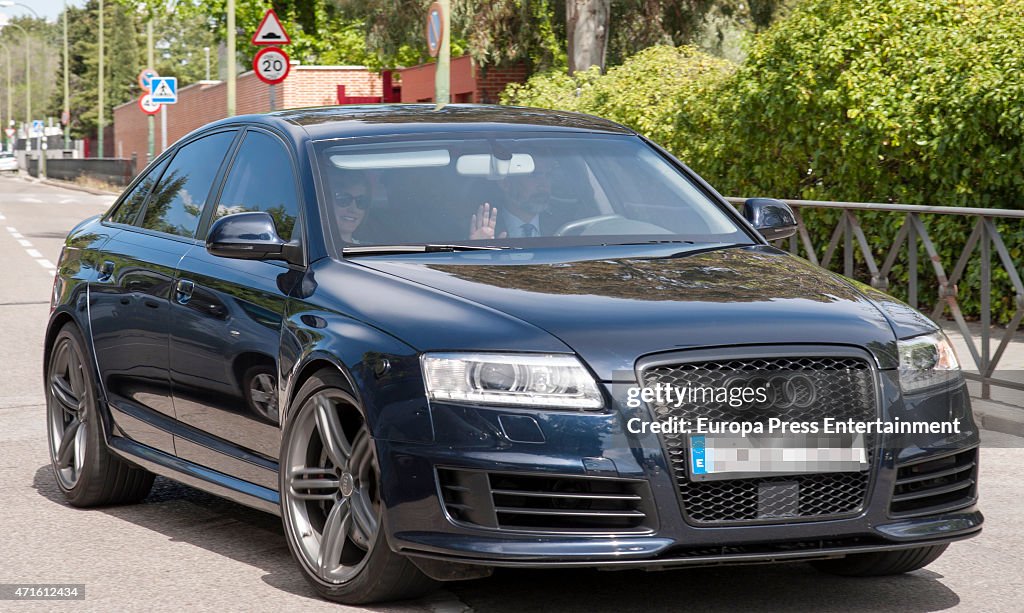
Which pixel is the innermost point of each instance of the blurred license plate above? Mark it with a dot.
(717, 456)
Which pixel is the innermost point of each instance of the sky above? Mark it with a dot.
(48, 9)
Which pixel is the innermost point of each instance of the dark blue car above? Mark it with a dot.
(438, 342)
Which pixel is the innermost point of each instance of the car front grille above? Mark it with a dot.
(844, 389)
(542, 503)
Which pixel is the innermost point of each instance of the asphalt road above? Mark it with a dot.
(185, 550)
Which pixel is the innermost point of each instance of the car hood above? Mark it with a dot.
(613, 310)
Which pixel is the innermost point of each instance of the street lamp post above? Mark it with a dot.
(28, 86)
(10, 108)
(99, 120)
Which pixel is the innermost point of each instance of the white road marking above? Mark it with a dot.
(67, 200)
(2, 216)
(17, 235)
(12, 230)
(34, 253)
(45, 263)
(24, 243)
(29, 199)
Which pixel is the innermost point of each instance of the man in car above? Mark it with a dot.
(524, 212)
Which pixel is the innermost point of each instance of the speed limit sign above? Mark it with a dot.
(271, 65)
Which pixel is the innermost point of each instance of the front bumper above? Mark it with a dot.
(599, 446)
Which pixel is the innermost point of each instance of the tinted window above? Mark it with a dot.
(178, 200)
(261, 179)
(515, 190)
(132, 203)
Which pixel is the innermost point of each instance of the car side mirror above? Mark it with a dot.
(249, 236)
(772, 218)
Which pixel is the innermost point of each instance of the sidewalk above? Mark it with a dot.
(1004, 410)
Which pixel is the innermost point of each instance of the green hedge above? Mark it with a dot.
(912, 101)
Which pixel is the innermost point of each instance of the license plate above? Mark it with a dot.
(714, 457)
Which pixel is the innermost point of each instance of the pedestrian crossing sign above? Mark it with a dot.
(164, 90)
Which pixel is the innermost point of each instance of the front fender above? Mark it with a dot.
(384, 373)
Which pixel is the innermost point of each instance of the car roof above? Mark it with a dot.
(384, 119)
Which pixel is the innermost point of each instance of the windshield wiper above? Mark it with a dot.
(400, 249)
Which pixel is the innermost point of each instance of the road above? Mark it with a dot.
(183, 549)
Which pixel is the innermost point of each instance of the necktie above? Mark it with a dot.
(529, 229)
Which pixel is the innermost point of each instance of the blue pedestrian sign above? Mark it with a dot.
(37, 127)
(164, 90)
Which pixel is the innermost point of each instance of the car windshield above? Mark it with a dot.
(526, 190)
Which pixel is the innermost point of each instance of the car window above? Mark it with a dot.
(178, 200)
(547, 190)
(131, 204)
(261, 179)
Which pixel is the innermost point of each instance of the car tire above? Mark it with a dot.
(336, 483)
(881, 563)
(87, 473)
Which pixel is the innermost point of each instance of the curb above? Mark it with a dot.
(998, 417)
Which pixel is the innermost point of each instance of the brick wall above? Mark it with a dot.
(469, 82)
(206, 101)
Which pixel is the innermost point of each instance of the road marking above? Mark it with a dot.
(24, 243)
(29, 199)
(34, 253)
(45, 263)
(2, 216)
(67, 200)
(12, 230)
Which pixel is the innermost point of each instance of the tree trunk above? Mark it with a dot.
(586, 28)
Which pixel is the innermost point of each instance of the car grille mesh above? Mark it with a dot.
(844, 389)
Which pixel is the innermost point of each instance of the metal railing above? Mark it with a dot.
(848, 236)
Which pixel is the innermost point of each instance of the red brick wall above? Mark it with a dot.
(206, 101)
(469, 83)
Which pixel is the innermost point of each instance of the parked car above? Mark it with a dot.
(436, 342)
(8, 163)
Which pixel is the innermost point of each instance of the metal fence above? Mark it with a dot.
(848, 236)
(115, 171)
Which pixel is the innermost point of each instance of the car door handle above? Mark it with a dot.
(183, 291)
(106, 270)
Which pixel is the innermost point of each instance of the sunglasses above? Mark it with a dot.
(345, 199)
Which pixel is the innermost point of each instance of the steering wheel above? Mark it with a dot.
(583, 224)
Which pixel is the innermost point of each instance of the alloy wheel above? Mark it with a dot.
(330, 488)
(68, 417)
(263, 395)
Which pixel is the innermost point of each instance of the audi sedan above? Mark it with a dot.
(436, 342)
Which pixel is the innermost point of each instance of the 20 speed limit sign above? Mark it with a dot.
(271, 65)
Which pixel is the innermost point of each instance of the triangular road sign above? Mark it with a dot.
(270, 32)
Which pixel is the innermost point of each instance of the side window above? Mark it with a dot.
(177, 202)
(261, 179)
(131, 204)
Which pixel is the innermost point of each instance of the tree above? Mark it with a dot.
(586, 28)
(40, 47)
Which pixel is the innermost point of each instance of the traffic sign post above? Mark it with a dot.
(147, 105)
(145, 76)
(438, 43)
(270, 31)
(271, 65)
(164, 90)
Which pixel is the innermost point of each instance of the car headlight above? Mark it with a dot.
(546, 381)
(927, 361)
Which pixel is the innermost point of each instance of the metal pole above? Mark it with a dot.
(273, 97)
(232, 63)
(442, 78)
(207, 50)
(7, 54)
(163, 128)
(67, 89)
(102, 103)
(149, 60)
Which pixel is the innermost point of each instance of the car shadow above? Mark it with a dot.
(185, 514)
